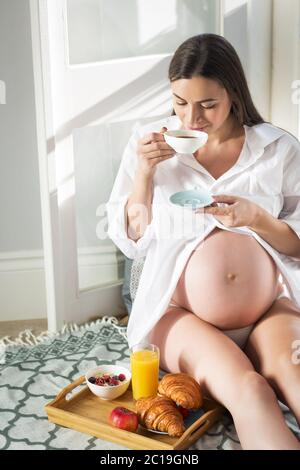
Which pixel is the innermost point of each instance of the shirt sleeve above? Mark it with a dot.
(290, 213)
(115, 207)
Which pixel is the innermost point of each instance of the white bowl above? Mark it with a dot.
(186, 145)
(108, 392)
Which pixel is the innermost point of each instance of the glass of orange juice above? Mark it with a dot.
(144, 360)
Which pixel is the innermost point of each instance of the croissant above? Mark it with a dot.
(182, 389)
(160, 414)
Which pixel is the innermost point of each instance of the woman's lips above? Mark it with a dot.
(197, 128)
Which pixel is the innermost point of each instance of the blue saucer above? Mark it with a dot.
(193, 199)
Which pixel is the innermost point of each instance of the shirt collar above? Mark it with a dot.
(257, 138)
(261, 135)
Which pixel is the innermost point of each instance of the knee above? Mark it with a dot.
(253, 387)
(283, 368)
(287, 367)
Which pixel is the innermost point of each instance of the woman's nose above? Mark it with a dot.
(193, 116)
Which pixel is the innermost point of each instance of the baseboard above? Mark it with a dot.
(22, 281)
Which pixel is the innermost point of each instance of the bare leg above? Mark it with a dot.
(189, 344)
(271, 351)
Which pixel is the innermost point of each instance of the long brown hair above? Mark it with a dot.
(213, 57)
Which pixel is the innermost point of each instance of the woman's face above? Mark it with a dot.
(201, 103)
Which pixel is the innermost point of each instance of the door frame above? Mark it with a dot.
(40, 54)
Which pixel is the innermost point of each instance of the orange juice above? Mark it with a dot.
(144, 373)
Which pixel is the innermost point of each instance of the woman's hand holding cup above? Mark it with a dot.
(152, 149)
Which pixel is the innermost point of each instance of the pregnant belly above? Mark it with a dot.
(229, 281)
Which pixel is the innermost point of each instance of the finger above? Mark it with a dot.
(153, 137)
(159, 146)
(154, 146)
(214, 210)
(213, 204)
(225, 198)
(160, 153)
(160, 159)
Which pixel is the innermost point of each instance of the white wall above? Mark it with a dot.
(286, 66)
(22, 290)
(235, 27)
(20, 212)
(248, 26)
(266, 35)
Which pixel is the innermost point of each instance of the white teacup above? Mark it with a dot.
(185, 141)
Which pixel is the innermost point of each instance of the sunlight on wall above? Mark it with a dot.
(66, 190)
(154, 18)
(101, 30)
(230, 5)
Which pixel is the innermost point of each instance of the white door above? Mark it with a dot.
(100, 66)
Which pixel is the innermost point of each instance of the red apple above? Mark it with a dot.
(124, 419)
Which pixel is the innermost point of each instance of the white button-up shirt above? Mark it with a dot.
(267, 172)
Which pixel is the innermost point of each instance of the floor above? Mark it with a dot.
(37, 326)
(13, 328)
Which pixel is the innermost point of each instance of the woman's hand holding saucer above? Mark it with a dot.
(239, 211)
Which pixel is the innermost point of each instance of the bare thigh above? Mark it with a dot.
(190, 344)
(271, 344)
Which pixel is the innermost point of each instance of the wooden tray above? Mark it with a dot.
(88, 413)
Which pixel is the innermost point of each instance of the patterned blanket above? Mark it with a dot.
(30, 376)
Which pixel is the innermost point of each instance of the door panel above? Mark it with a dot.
(101, 30)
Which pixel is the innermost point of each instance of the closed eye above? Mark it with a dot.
(204, 107)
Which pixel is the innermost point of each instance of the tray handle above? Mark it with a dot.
(196, 430)
(62, 394)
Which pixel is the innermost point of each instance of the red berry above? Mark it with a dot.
(110, 380)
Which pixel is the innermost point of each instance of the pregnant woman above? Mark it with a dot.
(212, 299)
